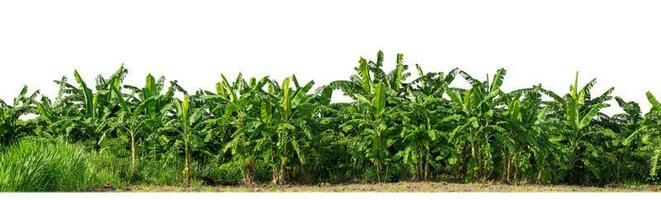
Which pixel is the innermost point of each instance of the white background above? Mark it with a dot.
(618, 42)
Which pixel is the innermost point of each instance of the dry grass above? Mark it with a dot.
(399, 187)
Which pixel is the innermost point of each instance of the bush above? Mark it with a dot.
(114, 170)
(35, 166)
(262, 171)
(160, 172)
(232, 173)
(110, 170)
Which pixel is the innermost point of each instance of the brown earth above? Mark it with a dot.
(397, 187)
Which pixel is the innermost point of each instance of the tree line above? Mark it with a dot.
(397, 127)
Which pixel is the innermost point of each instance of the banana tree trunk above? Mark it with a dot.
(283, 165)
(421, 169)
(426, 172)
(476, 156)
(248, 178)
(133, 162)
(508, 177)
(377, 164)
(278, 173)
(186, 172)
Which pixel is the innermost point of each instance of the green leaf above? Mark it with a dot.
(631, 137)
(150, 87)
(267, 111)
(399, 72)
(379, 58)
(184, 107)
(87, 93)
(118, 94)
(454, 95)
(326, 96)
(655, 103)
(572, 113)
(228, 89)
(365, 75)
(362, 99)
(452, 160)
(432, 134)
(451, 118)
(585, 121)
(574, 87)
(498, 79)
(379, 100)
(515, 110)
(286, 99)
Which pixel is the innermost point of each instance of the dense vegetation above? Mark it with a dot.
(39, 166)
(399, 126)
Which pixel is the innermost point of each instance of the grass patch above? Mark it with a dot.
(35, 166)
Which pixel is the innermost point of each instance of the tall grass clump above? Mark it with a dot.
(35, 166)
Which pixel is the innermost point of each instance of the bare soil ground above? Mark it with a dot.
(398, 187)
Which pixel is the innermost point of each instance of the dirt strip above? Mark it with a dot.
(396, 187)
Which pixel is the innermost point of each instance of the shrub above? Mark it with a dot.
(230, 173)
(110, 170)
(113, 170)
(160, 172)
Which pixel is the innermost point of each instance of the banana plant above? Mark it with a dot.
(184, 121)
(187, 120)
(286, 138)
(421, 135)
(513, 141)
(648, 136)
(525, 148)
(135, 117)
(153, 102)
(371, 119)
(79, 113)
(235, 111)
(585, 143)
(477, 118)
(370, 73)
(575, 103)
(11, 126)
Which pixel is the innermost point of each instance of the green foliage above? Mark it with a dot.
(230, 173)
(11, 126)
(648, 136)
(111, 170)
(35, 166)
(397, 127)
(161, 172)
